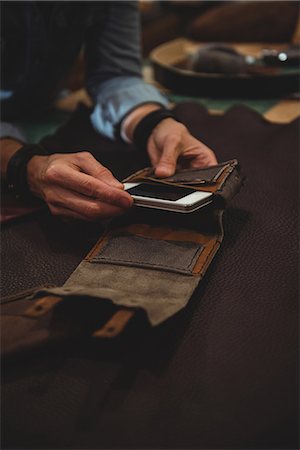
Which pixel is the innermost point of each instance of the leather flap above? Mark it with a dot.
(223, 180)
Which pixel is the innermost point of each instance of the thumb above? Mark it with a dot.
(94, 168)
(166, 166)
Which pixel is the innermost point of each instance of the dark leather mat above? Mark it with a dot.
(221, 374)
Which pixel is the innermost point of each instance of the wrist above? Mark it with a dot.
(131, 121)
(8, 147)
(17, 169)
(34, 170)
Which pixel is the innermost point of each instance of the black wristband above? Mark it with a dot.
(145, 127)
(16, 172)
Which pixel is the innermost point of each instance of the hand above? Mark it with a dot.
(7, 148)
(76, 185)
(171, 145)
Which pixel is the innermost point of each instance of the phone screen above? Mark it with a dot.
(163, 192)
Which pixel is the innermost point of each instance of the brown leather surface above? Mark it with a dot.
(262, 21)
(221, 374)
(14, 208)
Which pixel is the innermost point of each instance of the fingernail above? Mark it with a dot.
(126, 202)
(116, 184)
(163, 172)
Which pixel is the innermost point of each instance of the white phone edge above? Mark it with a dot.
(182, 205)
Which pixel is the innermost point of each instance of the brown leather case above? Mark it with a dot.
(221, 373)
(149, 254)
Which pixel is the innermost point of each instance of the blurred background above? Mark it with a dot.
(173, 32)
(218, 53)
(216, 21)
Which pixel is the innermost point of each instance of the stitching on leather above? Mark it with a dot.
(230, 170)
(100, 242)
(120, 261)
(97, 258)
(196, 254)
(215, 247)
(216, 244)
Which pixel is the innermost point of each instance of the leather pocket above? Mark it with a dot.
(138, 251)
(161, 241)
(195, 177)
(186, 177)
(148, 254)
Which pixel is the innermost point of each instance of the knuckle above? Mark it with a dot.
(51, 199)
(107, 194)
(173, 138)
(48, 196)
(92, 211)
(85, 155)
(89, 187)
(173, 142)
(113, 197)
(102, 171)
(51, 173)
(54, 211)
(180, 127)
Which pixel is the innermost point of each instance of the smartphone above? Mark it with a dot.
(166, 197)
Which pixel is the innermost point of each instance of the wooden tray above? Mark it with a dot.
(168, 63)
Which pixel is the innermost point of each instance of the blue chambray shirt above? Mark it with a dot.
(41, 40)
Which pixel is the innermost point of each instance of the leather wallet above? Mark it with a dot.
(149, 260)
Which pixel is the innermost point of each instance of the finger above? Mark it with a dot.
(70, 179)
(88, 164)
(212, 160)
(167, 164)
(205, 159)
(62, 201)
(153, 152)
(65, 214)
(202, 155)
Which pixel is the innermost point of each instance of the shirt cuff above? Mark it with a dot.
(9, 130)
(119, 96)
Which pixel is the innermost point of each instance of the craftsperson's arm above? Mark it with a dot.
(7, 148)
(114, 81)
(73, 185)
(76, 185)
(113, 75)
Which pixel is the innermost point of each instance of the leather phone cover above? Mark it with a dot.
(148, 260)
(150, 251)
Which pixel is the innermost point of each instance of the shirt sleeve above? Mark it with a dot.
(114, 78)
(118, 97)
(9, 130)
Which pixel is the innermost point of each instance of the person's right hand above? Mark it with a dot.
(77, 186)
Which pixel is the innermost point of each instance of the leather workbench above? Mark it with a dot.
(222, 373)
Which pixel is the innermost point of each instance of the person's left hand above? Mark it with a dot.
(171, 146)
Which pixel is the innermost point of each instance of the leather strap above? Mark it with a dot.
(16, 173)
(145, 127)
